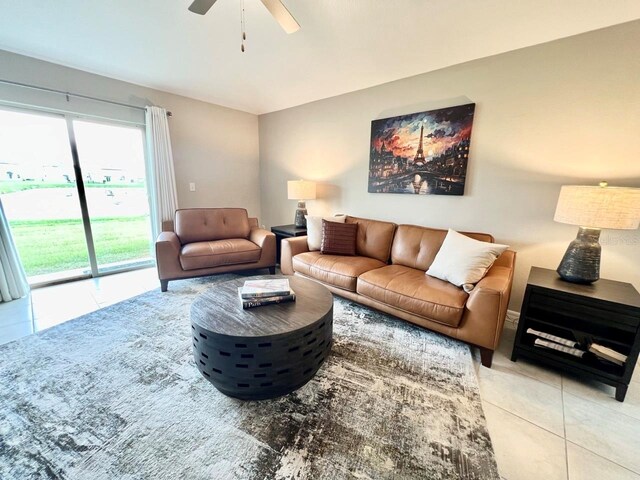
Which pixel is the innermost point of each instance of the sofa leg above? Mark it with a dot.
(486, 356)
(272, 270)
(164, 284)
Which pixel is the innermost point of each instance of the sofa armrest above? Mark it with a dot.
(168, 255)
(267, 242)
(487, 305)
(253, 222)
(506, 259)
(259, 236)
(289, 248)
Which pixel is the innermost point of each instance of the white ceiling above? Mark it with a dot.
(343, 45)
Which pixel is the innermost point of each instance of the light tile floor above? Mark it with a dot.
(543, 424)
(549, 425)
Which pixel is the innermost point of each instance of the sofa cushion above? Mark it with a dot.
(338, 238)
(416, 247)
(218, 252)
(204, 224)
(374, 238)
(337, 270)
(409, 289)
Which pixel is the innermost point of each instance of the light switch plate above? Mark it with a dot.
(192, 187)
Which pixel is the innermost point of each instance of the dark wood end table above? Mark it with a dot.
(262, 352)
(606, 312)
(286, 231)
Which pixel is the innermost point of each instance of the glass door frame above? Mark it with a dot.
(81, 189)
(82, 197)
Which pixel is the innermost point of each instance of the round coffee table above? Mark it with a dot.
(262, 352)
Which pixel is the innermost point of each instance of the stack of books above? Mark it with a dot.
(255, 293)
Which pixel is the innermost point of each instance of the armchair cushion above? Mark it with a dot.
(218, 252)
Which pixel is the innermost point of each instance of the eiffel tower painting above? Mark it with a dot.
(423, 153)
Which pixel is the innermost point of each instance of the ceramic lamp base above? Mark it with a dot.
(301, 211)
(581, 261)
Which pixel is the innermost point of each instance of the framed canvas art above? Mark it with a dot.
(422, 153)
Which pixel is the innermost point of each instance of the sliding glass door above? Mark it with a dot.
(113, 171)
(74, 193)
(39, 195)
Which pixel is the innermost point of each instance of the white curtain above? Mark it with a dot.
(13, 281)
(160, 172)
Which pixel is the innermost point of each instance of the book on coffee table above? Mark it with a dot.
(260, 301)
(265, 288)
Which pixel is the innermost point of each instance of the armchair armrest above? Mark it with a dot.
(289, 248)
(168, 255)
(167, 226)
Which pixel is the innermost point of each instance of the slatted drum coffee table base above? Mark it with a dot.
(263, 352)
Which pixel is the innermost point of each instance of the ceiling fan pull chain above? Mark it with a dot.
(242, 25)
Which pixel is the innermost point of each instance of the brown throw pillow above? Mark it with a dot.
(338, 238)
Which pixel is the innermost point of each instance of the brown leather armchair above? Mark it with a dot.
(205, 241)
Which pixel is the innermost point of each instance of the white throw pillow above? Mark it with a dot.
(314, 229)
(464, 261)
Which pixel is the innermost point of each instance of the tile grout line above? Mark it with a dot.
(566, 441)
(522, 374)
(617, 412)
(521, 418)
(604, 458)
(564, 427)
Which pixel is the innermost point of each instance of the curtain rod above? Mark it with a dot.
(76, 95)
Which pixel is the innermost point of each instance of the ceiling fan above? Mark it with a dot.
(275, 7)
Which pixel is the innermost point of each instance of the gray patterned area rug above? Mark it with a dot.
(115, 395)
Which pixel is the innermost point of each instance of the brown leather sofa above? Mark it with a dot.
(388, 274)
(212, 240)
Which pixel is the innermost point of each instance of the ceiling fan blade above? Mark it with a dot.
(282, 15)
(201, 6)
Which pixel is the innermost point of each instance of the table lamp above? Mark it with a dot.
(593, 208)
(301, 190)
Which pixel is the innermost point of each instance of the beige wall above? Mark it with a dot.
(213, 146)
(560, 113)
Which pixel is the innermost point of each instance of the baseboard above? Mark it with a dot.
(512, 317)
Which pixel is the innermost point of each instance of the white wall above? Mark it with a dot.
(213, 146)
(566, 112)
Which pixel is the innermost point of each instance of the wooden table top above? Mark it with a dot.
(605, 290)
(218, 309)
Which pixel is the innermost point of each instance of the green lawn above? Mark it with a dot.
(48, 246)
(10, 186)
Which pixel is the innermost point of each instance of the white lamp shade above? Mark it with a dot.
(599, 207)
(301, 190)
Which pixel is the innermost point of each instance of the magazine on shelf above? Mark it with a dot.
(553, 338)
(260, 301)
(265, 288)
(539, 342)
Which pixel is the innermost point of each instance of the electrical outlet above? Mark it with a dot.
(192, 187)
